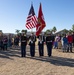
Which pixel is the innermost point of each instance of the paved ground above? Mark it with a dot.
(59, 64)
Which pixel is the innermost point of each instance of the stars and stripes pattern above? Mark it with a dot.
(31, 21)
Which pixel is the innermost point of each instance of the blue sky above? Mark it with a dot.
(13, 14)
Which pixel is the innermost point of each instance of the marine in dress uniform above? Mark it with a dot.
(41, 40)
(23, 45)
(32, 41)
(49, 43)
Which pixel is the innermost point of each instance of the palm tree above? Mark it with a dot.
(54, 29)
(17, 31)
(48, 30)
(25, 31)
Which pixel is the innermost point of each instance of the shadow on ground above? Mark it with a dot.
(9, 53)
(13, 52)
(55, 60)
(59, 61)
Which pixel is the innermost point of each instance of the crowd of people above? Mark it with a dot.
(64, 42)
(7, 41)
(3, 42)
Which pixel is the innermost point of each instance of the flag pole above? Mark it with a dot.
(31, 10)
(31, 30)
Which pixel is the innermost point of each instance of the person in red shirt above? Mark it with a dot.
(70, 39)
(73, 39)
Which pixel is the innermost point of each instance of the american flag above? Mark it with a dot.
(31, 21)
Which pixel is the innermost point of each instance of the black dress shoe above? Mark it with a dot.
(23, 56)
(49, 55)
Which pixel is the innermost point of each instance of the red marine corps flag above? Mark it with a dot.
(41, 23)
(31, 21)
